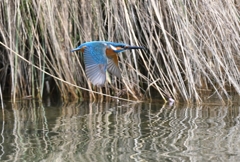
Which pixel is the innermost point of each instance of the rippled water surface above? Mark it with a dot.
(120, 131)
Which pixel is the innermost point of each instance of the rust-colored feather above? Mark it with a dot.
(82, 49)
(112, 55)
(113, 63)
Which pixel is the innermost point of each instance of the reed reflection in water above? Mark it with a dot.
(119, 132)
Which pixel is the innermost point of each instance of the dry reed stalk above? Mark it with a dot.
(192, 47)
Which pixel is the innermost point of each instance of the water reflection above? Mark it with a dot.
(119, 132)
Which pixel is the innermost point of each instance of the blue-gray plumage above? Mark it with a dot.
(100, 56)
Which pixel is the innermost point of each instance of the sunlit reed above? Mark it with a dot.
(192, 48)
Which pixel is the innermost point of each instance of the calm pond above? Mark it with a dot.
(118, 131)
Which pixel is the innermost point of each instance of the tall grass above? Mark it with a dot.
(192, 48)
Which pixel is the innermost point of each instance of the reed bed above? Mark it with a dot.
(192, 48)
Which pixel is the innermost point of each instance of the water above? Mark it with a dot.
(120, 131)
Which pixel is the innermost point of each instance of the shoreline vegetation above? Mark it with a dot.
(192, 49)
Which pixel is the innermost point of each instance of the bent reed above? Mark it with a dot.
(192, 49)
